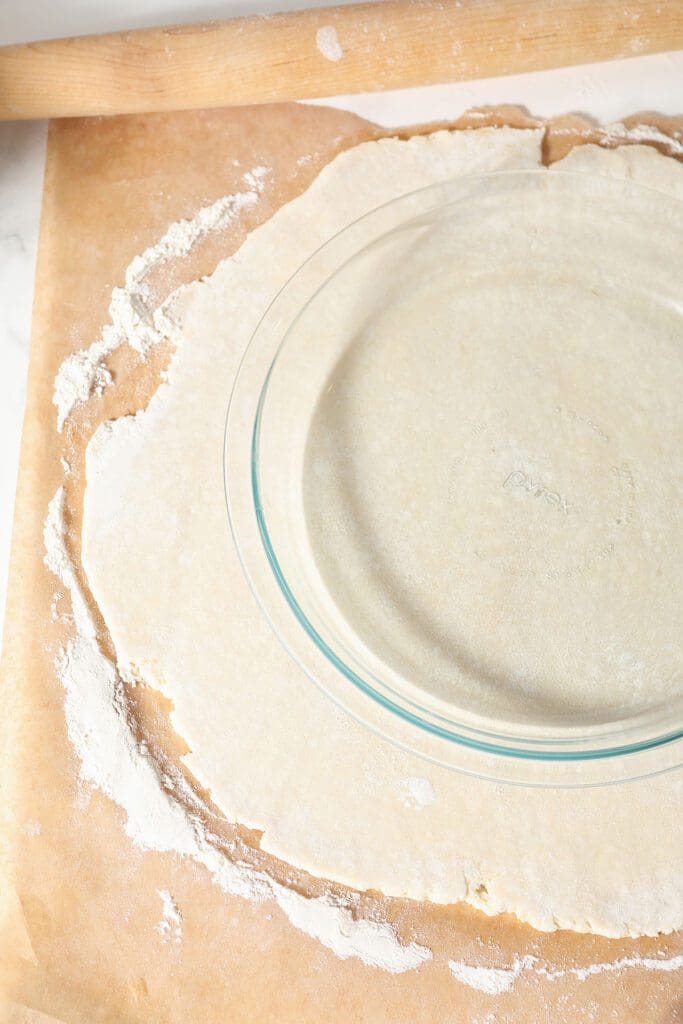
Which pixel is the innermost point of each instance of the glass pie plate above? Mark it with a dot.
(453, 474)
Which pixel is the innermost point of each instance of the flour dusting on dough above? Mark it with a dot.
(419, 792)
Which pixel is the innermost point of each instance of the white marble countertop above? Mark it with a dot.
(605, 92)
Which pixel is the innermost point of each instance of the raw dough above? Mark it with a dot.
(276, 755)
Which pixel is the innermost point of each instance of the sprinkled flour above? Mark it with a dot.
(84, 373)
(111, 759)
(419, 792)
(495, 980)
(618, 132)
(491, 980)
(171, 923)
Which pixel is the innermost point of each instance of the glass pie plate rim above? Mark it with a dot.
(628, 749)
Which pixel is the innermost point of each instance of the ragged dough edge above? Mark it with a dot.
(638, 163)
(107, 435)
(85, 372)
(113, 761)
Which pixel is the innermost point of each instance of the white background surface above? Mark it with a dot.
(605, 92)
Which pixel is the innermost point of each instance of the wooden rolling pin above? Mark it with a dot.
(325, 52)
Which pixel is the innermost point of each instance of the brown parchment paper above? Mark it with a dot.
(79, 904)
